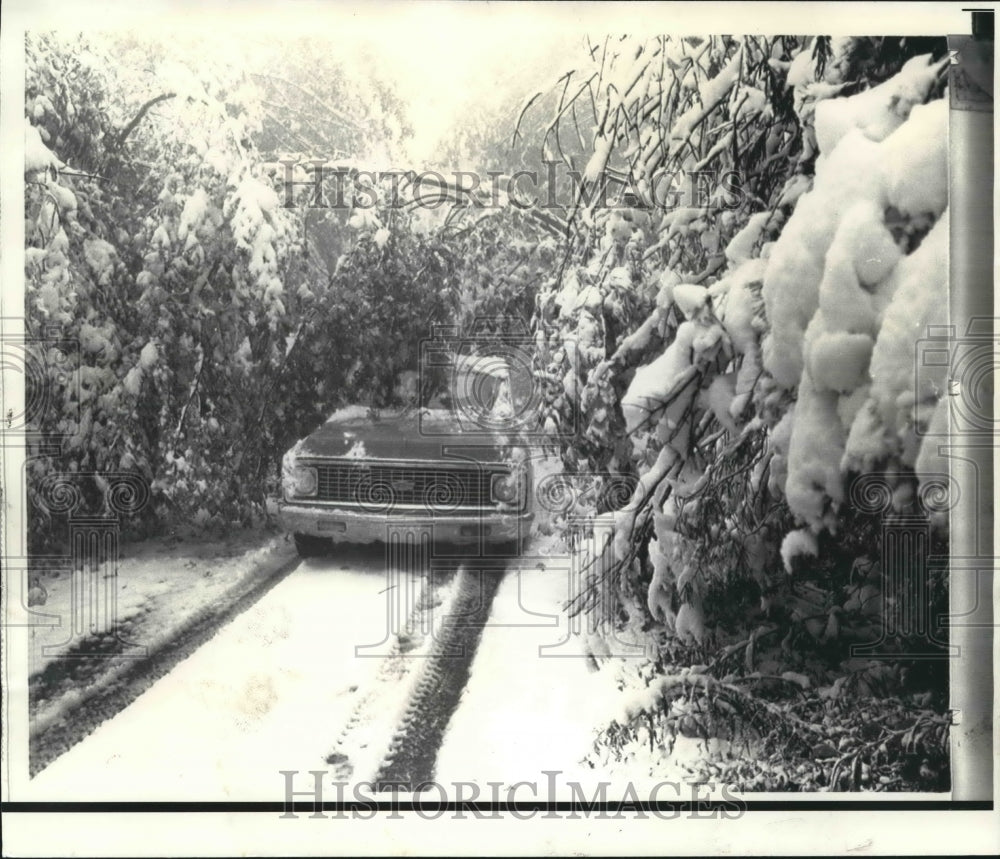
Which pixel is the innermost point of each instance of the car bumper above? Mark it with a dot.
(352, 526)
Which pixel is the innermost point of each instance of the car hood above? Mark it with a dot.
(412, 434)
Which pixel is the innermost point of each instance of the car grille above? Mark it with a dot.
(380, 488)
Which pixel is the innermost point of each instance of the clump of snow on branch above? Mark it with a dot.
(259, 226)
(802, 328)
(845, 304)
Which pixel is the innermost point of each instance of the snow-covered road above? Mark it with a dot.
(533, 699)
(281, 687)
(268, 692)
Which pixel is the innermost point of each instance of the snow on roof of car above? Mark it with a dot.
(349, 413)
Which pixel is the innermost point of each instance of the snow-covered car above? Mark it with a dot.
(365, 474)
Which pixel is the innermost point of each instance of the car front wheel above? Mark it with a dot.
(310, 546)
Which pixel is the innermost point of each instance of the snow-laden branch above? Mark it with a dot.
(128, 129)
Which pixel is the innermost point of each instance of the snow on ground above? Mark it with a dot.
(269, 692)
(540, 693)
(281, 687)
(523, 711)
(159, 584)
(383, 702)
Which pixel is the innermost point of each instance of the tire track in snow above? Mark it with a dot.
(413, 750)
(361, 728)
(55, 736)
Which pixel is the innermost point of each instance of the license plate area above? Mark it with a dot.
(330, 527)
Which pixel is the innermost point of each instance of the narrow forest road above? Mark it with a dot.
(268, 692)
(283, 686)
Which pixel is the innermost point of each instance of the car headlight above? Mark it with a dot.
(508, 489)
(301, 481)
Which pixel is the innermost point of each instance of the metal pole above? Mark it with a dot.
(972, 441)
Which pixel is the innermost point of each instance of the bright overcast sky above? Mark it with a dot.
(441, 61)
(443, 55)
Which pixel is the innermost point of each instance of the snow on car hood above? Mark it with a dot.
(413, 434)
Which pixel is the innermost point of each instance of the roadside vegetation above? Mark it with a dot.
(726, 310)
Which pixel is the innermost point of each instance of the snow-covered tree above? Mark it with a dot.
(215, 300)
(164, 260)
(760, 240)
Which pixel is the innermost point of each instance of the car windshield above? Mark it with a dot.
(489, 387)
(471, 383)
